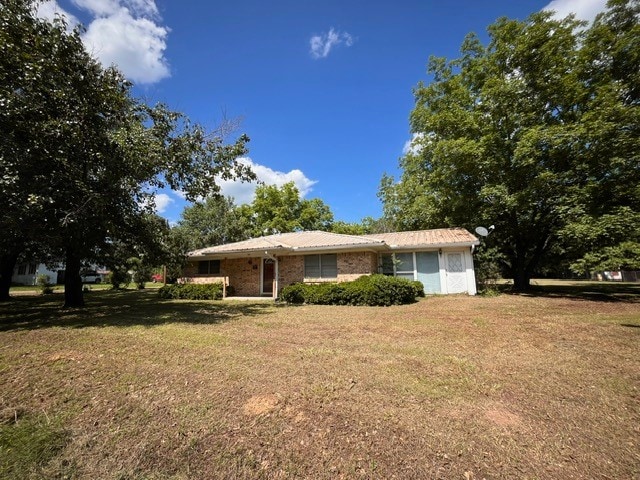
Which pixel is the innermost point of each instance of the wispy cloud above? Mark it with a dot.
(245, 192)
(583, 9)
(414, 145)
(162, 201)
(321, 45)
(49, 9)
(125, 33)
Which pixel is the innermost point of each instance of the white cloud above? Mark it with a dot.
(102, 8)
(414, 145)
(50, 8)
(245, 192)
(162, 201)
(125, 33)
(583, 9)
(321, 45)
(135, 45)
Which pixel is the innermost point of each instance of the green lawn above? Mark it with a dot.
(34, 289)
(544, 385)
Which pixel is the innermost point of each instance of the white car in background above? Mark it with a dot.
(91, 276)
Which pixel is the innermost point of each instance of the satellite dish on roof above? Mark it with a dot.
(483, 232)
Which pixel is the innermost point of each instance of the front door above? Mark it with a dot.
(268, 274)
(456, 273)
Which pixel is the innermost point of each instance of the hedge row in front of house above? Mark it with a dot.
(192, 291)
(372, 290)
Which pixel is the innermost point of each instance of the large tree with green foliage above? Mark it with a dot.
(213, 221)
(537, 133)
(80, 156)
(282, 209)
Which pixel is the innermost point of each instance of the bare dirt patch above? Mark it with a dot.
(259, 404)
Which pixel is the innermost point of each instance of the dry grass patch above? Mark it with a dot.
(451, 387)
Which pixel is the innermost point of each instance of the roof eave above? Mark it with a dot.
(244, 253)
(433, 246)
(342, 248)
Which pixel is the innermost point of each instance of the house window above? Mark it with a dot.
(209, 267)
(399, 265)
(321, 266)
(404, 265)
(22, 269)
(32, 268)
(387, 265)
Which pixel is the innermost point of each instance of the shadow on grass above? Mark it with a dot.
(592, 291)
(120, 309)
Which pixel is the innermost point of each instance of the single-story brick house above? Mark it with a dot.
(441, 259)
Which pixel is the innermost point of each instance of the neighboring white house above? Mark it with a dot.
(27, 273)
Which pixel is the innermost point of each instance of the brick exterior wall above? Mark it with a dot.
(350, 267)
(356, 264)
(244, 273)
(290, 270)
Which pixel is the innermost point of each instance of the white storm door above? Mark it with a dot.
(456, 273)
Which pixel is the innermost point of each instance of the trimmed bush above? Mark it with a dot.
(419, 288)
(192, 291)
(293, 293)
(373, 290)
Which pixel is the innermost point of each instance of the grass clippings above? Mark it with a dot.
(540, 386)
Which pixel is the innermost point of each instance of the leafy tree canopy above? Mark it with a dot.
(80, 156)
(538, 133)
(282, 209)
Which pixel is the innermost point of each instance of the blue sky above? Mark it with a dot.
(323, 89)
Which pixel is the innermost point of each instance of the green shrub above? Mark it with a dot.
(293, 293)
(42, 281)
(192, 291)
(119, 277)
(419, 288)
(373, 290)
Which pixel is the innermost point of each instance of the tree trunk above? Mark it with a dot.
(521, 281)
(73, 296)
(7, 264)
(519, 272)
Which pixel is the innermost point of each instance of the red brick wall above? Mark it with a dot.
(357, 264)
(350, 267)
(244, 273)
(290, 270)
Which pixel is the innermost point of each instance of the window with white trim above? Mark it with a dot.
(321, 266)
(398, 265)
